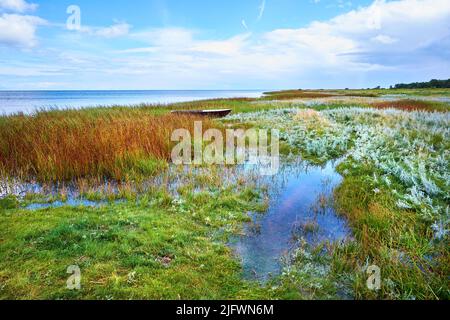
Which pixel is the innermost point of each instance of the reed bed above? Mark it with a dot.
(66, 145)
(411, 105)
(316, 94)
(296, 94)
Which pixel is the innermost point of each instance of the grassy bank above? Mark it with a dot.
(394, 194)
(154, 247)
(368, 93)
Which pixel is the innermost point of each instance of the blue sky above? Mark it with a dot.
(228, 44)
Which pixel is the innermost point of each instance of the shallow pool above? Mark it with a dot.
(69, 203)
(300, 207)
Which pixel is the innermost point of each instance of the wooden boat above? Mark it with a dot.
(220, 113)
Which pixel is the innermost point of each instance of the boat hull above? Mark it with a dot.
(204, 113)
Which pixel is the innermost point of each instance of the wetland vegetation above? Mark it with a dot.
(95, 188)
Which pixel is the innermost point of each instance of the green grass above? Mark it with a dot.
(398, 241)
(154, 248)
(379, 92)
(236, 105)
(9, 202)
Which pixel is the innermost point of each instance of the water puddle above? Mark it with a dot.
(197, 179)
(300, 208)
(69, 203)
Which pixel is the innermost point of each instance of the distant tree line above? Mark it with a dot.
(421, 85)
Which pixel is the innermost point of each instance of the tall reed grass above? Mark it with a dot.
(412, 105)
(315, 94)
(71, 144)
(296, 94)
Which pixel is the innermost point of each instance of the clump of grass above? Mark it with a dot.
(312, 272)
(411, 105)
(296, 94)
(396, 240)
(308, 227)
(66, 145)
(212, 103)
(312, 119)
(315, 94)
(237, 105)
(9, 202)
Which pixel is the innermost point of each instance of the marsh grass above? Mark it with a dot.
(412, 105)
(407, 92)
(115, 142)
(413, 266)
(285, 95)
(296, 94)
(66, 145)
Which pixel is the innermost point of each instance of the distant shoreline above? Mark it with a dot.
(30, 101)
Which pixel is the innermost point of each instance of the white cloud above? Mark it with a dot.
(17, 5)
(181, 41)
(230, 46)
(30, 70)
(19, 30)
(392, 27)
(342, 4)
(165, 37)
(381, 38)
(140, 50)
(117, 30)
(16, 29)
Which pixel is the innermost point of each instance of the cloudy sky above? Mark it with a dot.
(222, 44)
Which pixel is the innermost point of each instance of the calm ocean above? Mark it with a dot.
(29, 101)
